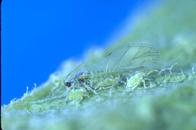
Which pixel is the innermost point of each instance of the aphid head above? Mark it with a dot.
(81, 77)
(68, 84)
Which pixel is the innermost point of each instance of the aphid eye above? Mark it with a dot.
(68, 84)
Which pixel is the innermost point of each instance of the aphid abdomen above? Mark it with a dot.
(104, 80)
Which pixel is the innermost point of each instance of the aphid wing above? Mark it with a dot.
(74, 72)
(120, 58)
(130, 56)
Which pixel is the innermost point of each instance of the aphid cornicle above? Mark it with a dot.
(113, 69)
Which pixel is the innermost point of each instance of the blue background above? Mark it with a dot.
(37, 35)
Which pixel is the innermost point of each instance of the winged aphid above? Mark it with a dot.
(115, 68)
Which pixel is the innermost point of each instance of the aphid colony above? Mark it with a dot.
(127, 67)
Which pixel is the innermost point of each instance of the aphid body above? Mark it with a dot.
(115, 69)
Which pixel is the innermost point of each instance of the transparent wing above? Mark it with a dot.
(120, 58)
(125, 57)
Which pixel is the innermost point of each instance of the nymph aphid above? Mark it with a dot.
(136, 80)
(142, 79)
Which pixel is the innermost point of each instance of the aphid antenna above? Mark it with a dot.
(91, 89)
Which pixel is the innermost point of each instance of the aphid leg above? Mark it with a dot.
(151, 85)
(153, 71)
(171, 68)
(122, 80)
(110, 92)
(161, 71)
(144, 83)
(134, 87)
(182, 72)
(90, 89)
(167, 69)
